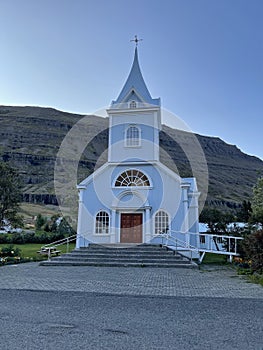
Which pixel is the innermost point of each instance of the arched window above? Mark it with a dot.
(132, 177)
(102, 222)
(133, 137)
(133, 104)
(161, 222)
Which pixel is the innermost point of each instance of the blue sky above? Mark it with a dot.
(204, 58)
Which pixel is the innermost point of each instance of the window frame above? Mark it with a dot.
(161, 222)
(135, 176)
(132, 140)
(132, 104)
(104, 223)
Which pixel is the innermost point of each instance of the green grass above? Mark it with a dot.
(30, 250)
(258, 279)
(211, 258)
(253, 278)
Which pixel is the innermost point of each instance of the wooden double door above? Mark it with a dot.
(131, 228)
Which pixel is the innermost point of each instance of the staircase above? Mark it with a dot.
(122, 255)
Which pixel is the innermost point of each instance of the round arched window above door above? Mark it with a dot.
(132, 177)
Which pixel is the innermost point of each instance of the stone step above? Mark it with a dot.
(126, 260)
(133, 253)
(131, 249)
(133, 256)
(110, 257)
(123, 246)
(117, 264)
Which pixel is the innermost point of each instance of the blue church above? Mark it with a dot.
(133, 197)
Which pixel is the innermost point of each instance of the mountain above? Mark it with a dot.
(30, 138)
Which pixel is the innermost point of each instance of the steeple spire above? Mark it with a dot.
(135, 87)
(136, 40)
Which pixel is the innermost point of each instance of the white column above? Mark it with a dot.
(185, 223)
(80, 216)
(113, 227)
(194, 217)
(147, 225)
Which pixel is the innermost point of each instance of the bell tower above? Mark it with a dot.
(134, 121)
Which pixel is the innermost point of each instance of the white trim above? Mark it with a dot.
(135, 126)
(95, 224)
(130, 92)
(115, 111)
(157, 164)
(84, 183)
(91, 177)
(110, 138)
(133, 104)
(133, 191)
(154, 223)
(133, 187)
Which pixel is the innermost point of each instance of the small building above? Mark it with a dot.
(133, 197)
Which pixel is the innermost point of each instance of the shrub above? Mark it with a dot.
(4, 238)
(18, 238)
(253, 250)
(10, 251)
(40, 221)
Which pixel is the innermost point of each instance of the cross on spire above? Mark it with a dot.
(136, 40)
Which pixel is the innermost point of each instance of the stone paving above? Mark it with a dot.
(207, 282)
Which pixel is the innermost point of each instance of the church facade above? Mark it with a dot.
(133, 197)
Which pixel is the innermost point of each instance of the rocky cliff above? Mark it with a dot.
(30, 138)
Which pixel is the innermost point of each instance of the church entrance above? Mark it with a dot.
(131, 228)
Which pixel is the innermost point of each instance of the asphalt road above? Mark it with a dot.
(35, 319)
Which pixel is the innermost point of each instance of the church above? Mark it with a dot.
(134, 198)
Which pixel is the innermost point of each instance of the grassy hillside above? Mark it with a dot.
(30, 138)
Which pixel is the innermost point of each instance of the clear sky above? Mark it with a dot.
(204, 58)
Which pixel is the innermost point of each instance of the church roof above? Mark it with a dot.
(135, 84)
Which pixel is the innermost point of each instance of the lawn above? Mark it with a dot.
(211, 258)
(30, 250)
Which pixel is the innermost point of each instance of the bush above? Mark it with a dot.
(10, 251)
(18, 238)
(4, 238)
(253, 250)
(41, 237)
(40, 221)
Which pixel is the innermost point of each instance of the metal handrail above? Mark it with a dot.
(229, 250)
(168, 237)
(182, 244)
(232, 251)
(62, 241)
(178, 243)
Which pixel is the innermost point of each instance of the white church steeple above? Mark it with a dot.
(134, 121)
(135, 87)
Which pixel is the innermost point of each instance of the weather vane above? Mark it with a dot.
(136, 40)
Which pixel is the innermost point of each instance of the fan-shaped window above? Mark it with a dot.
(133, 104)
(161, 222)
(102, 222)
(133, 137)
(132, 177)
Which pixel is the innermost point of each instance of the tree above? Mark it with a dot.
(10, 194)
(253, 249)
(64, 227)
(40, 221)
(257, 201)
(216, 220)
(245, 212)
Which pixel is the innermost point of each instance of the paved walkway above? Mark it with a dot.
(208, 282)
